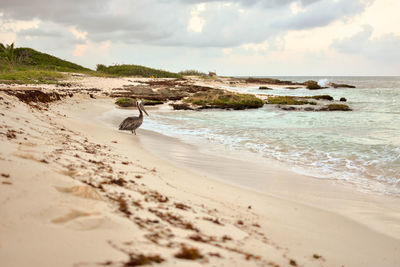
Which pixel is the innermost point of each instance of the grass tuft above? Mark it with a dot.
(192, 73)
(31, 76)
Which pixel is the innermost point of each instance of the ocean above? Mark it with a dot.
(360, 147)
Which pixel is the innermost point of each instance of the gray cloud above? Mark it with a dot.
(383, 49)
(322, 13)
(164, 23)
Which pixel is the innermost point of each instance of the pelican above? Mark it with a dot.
(132, 123)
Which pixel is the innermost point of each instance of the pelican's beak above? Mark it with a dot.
(142, 107)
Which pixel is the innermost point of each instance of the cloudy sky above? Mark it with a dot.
(237, 37)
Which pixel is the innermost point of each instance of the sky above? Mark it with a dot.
(237, 37)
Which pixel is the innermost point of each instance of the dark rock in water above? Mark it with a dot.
(182, 106)
(323, 97)
(269, 81)
(288, 100)
(293, 87)
(264, 88)
(342, 99)
(288, 108)
(312, 85)
(309, 109)
(341, 85)
(335, 107)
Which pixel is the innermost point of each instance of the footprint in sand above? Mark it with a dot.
(83, 221)
(72, 215)
(80, 191)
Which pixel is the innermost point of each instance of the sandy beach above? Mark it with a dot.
(75, 191)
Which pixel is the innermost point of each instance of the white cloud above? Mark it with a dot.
(10, 28)
(196, 22)
(296, 8)
(80, 35)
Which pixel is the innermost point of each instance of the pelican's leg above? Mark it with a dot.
(134, 131)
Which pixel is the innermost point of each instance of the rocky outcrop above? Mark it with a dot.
(323, 97)
(335, 107)
(264, 88)
(305, 103)
(312, 85)
(341, 85)
(181, 106)
(269, 81)
(223, 100)
(288, 100)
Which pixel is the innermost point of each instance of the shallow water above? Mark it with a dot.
(361, 147)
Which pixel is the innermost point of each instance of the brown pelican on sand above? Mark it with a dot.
(132, 123)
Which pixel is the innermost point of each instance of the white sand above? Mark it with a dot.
(51, 217)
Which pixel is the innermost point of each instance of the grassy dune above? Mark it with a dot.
(136, 70)
(26, 65)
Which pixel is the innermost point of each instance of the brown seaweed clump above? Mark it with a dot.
(188, 253)
(35, 96)
(138, 260)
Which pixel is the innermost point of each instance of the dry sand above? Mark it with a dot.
(75, 192)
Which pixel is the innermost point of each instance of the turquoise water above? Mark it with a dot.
(361, 147)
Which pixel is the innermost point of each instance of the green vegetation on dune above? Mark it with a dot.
(25, 65)
(223, 99)
(136, 70)
(30, 57)
(28, 66)
(192, 73)
(7, 55)
(30, 76)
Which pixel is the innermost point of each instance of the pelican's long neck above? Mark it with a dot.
(140, 110)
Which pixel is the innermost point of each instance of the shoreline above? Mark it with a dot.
(79, 189)
(330, 195)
